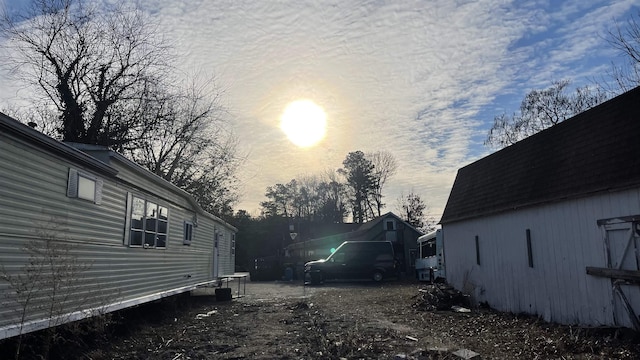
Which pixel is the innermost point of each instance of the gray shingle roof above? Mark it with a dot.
(597, 150)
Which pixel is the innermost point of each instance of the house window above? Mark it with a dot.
(148, 223)
(84, 186)
(188, 233)
(390, 225)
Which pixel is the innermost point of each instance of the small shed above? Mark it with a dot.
(550, 226)
(85, 231)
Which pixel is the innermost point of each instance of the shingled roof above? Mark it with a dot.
(595, 151)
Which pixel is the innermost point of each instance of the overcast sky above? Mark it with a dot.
(419, 79)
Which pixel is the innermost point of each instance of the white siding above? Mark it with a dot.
(225, 255)
(565, 239)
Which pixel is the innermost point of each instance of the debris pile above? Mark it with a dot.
(440, 297)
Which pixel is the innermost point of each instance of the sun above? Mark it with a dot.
(304, 123)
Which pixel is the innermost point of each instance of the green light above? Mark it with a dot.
(333, 250)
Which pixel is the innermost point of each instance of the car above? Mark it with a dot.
(373, 260)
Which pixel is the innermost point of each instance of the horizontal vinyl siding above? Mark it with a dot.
(565, 239)
(33, 189)
(115, 274)
(33, 197)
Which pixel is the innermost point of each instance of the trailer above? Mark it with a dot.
(85, 231)
(430, 261)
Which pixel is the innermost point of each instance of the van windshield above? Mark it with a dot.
(349, 250)
(337, 255)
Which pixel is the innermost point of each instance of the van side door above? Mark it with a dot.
(349, 263)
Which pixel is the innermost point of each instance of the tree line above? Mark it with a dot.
(355, 191)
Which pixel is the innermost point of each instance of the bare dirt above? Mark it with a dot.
(365, 320)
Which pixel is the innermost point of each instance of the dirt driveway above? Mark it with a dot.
(361, 320)
(286, 290)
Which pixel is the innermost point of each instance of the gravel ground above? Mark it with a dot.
(365, 320)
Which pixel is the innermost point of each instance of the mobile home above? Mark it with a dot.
(84, 231)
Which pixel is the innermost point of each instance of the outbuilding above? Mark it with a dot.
(550, 226)
(85, 231)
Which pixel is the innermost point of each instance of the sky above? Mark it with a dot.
(421, 80)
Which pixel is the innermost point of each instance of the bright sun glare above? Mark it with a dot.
(304, 123)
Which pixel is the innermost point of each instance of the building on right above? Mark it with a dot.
(550, 226)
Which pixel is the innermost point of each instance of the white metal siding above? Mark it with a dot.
(565, 239)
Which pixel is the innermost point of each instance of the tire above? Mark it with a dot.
(377, 276)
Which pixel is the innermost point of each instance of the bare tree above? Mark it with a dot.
(412, 209)
(541, 109)
(333, 198)
(626, 39)
(314, 198)
(191, 147)
(281, 200)
(38, 116)
(109, 75)
(384, 167)
(308, 200)
(86, 61)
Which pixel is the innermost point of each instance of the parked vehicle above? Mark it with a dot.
(355, 260)
(430, 261)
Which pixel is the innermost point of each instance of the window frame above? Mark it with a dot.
(74, 185)
(391, 222)
(187, 232)
(143, 229)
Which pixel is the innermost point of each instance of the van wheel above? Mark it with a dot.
(377, 276)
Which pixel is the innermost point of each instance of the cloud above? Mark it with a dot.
(420, 79)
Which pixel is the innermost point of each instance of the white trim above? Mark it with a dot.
(186, 240)
(40, 324)
(72, 183)
(127, 220)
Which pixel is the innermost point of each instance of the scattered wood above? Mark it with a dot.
(440, 297)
